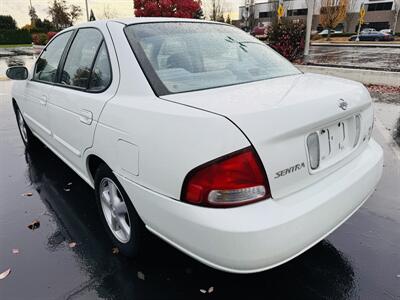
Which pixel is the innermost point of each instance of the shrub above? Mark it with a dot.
(287, 38)
(17, 36)
(39, 38)
(50, 35)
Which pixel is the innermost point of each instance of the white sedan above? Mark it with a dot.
(203, 135)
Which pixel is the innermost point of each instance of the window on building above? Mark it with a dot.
(266, 14)
(380, 6)
(297, 12)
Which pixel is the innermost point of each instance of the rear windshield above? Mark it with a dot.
(182, 56)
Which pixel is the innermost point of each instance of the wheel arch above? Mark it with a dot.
(92, 164)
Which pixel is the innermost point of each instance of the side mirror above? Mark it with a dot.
(17, 73)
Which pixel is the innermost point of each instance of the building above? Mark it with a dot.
(380, 14)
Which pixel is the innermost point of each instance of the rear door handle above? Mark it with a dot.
(86, 116)
(43, 100)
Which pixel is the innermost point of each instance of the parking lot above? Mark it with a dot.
(69, 257)
(374, 58)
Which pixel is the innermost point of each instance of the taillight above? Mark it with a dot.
(235, 179)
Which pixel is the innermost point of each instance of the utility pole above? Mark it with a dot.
(87, 10)
(310, 13)
(249, 14)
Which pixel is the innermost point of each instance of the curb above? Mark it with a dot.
(357, 45)
(362, 75)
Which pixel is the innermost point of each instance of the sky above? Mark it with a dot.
(18, 9)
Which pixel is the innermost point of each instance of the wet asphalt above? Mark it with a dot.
(360, 260)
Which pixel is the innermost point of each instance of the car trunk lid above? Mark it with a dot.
(278, 115)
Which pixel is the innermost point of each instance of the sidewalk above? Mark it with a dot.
(362, 75)
(358, 44)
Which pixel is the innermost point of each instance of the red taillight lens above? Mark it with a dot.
(232, 180)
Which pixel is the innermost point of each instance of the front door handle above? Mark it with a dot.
(43, 100)
(86, 116)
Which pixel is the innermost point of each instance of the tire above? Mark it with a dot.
(29, 140)
(118, 215)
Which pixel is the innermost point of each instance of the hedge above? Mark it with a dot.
(18, 36)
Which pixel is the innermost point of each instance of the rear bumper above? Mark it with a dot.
(263, 235)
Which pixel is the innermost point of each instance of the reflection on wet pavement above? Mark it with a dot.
(361, 57)
(72, 216)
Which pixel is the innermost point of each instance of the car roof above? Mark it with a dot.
(137, 20)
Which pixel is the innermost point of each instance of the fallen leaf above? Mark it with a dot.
(140, 275)
(211, 289)
(15, 251)
(203, 291)
(5, 274)
(72, 244)
(34, 225)
(115, 250)
(28, 194)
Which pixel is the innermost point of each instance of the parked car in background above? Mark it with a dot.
(368, 30)
(259, 32)
(387, 31)
(326, 31)
(373, 36)
(203, 135)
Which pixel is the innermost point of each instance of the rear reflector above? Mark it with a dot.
(358, 130)
(232, 180)
(313, 150)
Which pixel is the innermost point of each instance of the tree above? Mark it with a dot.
(396, 14)
(44, 26)
(287, 37)
(108, 13)
(33, 15)
(199, 14)
(332, 13)
(351, 14)
(228, 19)
(75, 12)
(167, 8)
(216, 8)
(7, 22)
(221, 18)
(63, 16)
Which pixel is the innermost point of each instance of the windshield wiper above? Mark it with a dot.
(232, 40)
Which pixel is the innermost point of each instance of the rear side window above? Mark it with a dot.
(101, 73)
(47, 64)
(80, 58)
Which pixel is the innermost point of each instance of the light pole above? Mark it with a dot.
(360, 21)
(310, 13)
(87, 10)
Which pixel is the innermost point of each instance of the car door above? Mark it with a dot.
(78, 98)
(38, 88)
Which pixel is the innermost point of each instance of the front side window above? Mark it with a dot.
(78, 65)
(47, 64)
(183, 56)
